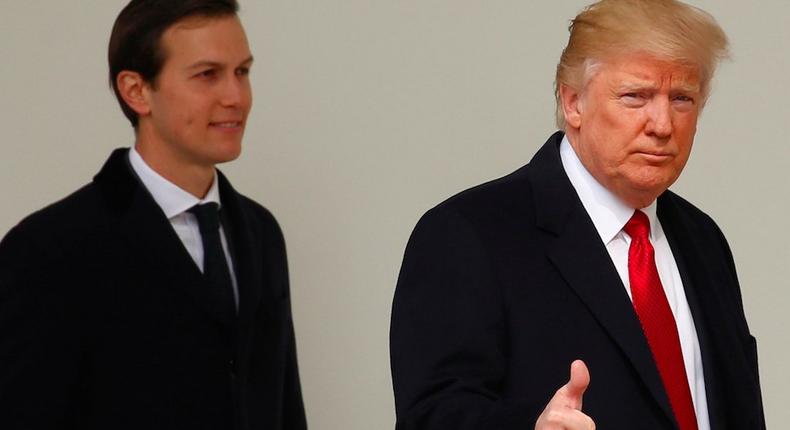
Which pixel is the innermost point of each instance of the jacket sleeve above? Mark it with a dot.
(40, 335)
(448, 337)
(293, 413)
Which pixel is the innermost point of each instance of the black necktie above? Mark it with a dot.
(215, 265)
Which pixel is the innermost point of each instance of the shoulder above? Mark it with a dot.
(254, 215)
(683, 207)
(260, 214)
(490, 204)
(674, 209)
(694, 229)
(475, 220)
(260, 218)
(68, 217)
(45, 244)
(251, 219)
(489, 198)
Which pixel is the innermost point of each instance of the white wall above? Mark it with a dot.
(367, 113)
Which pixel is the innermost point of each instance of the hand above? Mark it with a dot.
(564, 411)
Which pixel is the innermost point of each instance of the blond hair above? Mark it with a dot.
(666, 29)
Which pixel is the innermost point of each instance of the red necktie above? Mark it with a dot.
(657, 320)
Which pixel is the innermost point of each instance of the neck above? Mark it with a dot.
(638, 201)
(196, 179)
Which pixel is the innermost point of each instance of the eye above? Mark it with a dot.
(683, 98)
(243, 71)
(207, 74)
(633, 99)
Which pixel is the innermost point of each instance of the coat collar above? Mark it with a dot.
(148, 233)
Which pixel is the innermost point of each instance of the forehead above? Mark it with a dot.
(644, 70)
(217, 39)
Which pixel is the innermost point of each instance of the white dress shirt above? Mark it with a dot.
(609, 214)
(175, 203)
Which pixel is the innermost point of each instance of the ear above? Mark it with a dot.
(571, 102)
(134, 90)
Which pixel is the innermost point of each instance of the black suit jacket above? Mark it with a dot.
(505, 284)
(107, 323)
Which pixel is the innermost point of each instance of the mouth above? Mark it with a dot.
(226, 125)
(656, 157)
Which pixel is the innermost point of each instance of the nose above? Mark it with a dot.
(659, 121)
(234, 92)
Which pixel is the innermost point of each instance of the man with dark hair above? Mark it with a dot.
(156, 296)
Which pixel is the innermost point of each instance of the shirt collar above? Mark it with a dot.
(170, 197)
(607, 211)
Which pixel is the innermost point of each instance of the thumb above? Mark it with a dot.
(575, 388)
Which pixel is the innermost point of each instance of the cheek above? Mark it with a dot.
(182, 122)
(247, 99)
(190, 116)
(685, 138)
(614, 139)
(179, 113)
(685, 123)
(618, 130)
(682, 158)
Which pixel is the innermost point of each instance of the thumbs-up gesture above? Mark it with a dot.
(564, 411)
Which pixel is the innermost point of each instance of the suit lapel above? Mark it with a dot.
(247, 253)
(575, 248)
(707, 307)
(681, 253)
(150, 237)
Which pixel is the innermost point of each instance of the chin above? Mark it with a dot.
(651, 180)
(227, 152)
(641, 193)
(226, 159)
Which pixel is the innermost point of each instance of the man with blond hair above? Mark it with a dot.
(578, 292)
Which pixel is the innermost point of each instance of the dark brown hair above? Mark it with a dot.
(136, 34)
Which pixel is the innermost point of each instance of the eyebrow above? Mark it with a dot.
(208, 63)
(636, 86)
(688, 88)
(647, 85)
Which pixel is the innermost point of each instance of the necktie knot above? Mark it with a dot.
(638, 227)
(207, 215)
